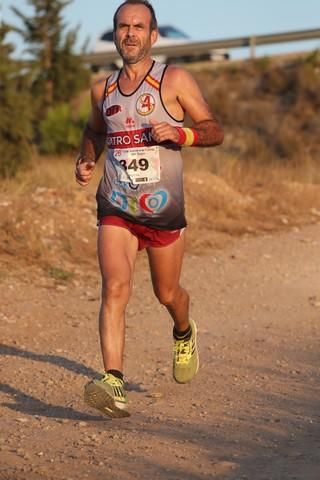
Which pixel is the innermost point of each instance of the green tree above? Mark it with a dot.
(58, 72)
(15, 110)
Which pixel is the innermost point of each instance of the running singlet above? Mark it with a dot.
(142, 181)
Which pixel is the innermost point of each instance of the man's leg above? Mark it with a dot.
(165, 266)
(117, 251)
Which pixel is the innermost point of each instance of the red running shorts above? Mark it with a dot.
(147, 237)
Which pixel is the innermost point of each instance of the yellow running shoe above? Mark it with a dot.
(107, 395)
(186, 357)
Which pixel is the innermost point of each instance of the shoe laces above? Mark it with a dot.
(117, 386)
(182, 350)
(112, 380)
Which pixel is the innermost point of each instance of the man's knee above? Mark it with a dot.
(167, 296)
(115, 290)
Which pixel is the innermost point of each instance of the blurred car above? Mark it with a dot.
(168, 36)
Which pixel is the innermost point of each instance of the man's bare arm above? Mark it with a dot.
(94, 135)
(93, 139)
(206, 129)
(92, 144)
(210, 132)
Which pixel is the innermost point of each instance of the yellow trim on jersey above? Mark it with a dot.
(111, 88)
(153, 82)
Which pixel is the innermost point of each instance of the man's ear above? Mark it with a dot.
(154, 36)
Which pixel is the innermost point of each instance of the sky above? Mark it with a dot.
(200, 19)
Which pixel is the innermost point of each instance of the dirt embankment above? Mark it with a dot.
(54, 226)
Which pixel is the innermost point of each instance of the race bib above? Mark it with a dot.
(138, 165)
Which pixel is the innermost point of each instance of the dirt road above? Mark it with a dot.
(251, 413)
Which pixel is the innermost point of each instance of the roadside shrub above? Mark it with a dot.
(280, 82)
(263, 63)
(269, 109)
(313, 59)
(61, 130)
(16, 112)
(309, 85)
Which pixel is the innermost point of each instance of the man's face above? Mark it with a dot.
(132, 36)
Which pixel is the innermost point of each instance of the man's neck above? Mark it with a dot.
(136, 71)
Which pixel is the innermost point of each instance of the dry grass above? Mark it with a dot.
(265, 178)
(48, 221)
(269, 109)
(233, 198)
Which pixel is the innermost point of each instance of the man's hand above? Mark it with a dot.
(84, 170)
(163, 131)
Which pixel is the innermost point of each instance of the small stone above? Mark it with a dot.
(61, 288)
(314, 301)
(22, 420)
(155, 395)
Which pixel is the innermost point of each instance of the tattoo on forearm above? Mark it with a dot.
(210, 132)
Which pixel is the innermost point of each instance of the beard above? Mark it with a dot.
(132, 52)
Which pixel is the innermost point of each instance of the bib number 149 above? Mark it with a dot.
(135, 164)
(139, 165)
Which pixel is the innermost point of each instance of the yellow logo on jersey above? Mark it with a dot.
(145, 104)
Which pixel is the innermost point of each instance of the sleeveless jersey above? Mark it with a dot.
(142, 180)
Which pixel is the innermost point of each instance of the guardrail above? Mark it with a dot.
(201, 48)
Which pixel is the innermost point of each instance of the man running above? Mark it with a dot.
(139, 113)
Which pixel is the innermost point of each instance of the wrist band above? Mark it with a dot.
(187, 136)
